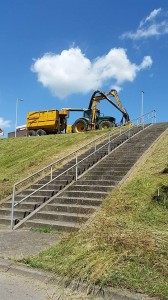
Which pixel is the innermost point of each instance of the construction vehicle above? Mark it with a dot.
(1, 132)
(55, 121)
(49, 121)
(46, 122)
(92, 119)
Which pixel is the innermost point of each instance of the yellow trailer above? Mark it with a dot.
(46, 122)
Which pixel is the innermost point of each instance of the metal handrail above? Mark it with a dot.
(66, 156)
(66, 171)
(153, 117)
(79, 149)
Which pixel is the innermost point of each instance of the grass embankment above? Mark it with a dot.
(22, 156)
(126, 245)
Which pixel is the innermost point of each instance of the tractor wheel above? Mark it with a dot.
(41, 132)
(80, 125)
(105, 125)
(31, 133)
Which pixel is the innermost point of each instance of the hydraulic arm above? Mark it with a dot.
(99, 95)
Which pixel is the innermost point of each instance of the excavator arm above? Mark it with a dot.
(102, 96)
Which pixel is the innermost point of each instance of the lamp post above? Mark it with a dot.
(142, 104)
(17, 102)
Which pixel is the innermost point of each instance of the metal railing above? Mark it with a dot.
(140, 121)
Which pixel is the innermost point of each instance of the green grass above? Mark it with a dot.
(126, 245)
(46, 229)
(22, 156)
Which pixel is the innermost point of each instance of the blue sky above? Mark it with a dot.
(55, 54)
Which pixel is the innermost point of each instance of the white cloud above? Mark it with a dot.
(147, 61)
(4, 123)
(151, 16)
(72, 72)
(156, 24)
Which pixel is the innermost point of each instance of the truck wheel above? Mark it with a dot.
(41, 132)
(31, 133)
(105, 125)
(80, 125)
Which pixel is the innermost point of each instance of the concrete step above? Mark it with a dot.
(77, 200)
(119, 158)
(30, 206)
(71, 208)
(93, 155)
(86, 181)
(42, 192)
(19, 213)
(61, 216)
(50, 186)
(5, 220)
(33, 198)
(116, 163)
(127, 153)
(109, 172)
(93, 176)
(83, 187)
(56, 225)
(83, 194)
(113, 165)
(68, 178)
(7, 204)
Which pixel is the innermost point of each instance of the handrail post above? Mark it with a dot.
(13, 204)
(154, 116)
(51, 172)
(129, 131)
(95, 146)
(76, 176)
(109, 144)
(143, 121)
(120, 129)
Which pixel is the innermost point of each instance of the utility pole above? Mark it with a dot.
(17, 102)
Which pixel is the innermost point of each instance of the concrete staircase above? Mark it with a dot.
(65, 204)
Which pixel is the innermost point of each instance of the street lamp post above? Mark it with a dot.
(17, 101)
(142, 104)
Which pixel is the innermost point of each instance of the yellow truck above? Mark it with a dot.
(46, 122)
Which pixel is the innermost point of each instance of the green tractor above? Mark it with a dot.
(92, 120)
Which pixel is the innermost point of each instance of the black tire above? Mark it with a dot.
(80, 125)
(41, 132)
(105, 125)
(31, 133)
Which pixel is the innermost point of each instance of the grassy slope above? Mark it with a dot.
(23, 156)
(126, 245)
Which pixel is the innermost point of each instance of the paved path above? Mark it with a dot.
(25, 288)
(28, 284)
(20, 282)
(21, 243)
